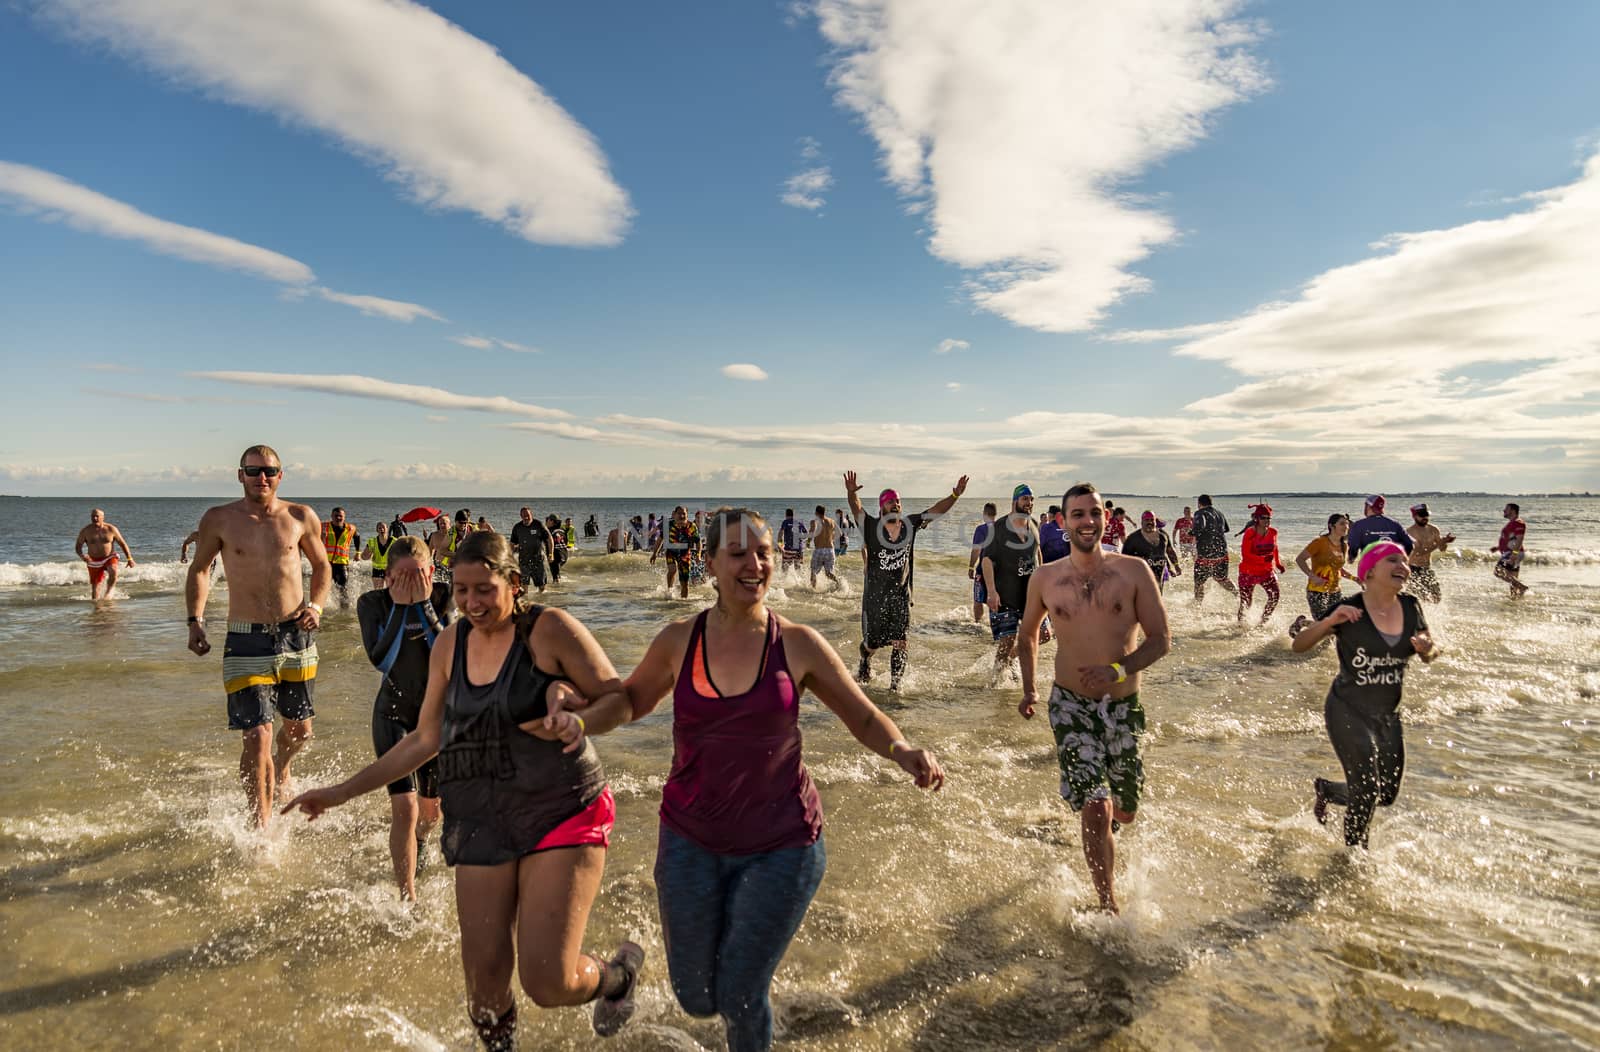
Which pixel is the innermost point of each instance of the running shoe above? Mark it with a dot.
(610, 1013)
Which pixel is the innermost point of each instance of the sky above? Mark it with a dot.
(736, 248)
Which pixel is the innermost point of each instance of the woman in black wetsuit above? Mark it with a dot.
(517, 782)
(1377, 631)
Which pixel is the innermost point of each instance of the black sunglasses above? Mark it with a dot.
(253, 470)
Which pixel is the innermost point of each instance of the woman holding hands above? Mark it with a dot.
(527, 813)
(741, 852)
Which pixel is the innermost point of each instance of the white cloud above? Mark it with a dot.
(1517, 288)
(49, 196)
(805, 188)
(1181, 332)
(744, 371)
(946, 346)
(1017, 125)
(378, 307)
(485, 343)
(439, 111)
(952, 386)
(384, 390)
(53, 198)
(579, 433)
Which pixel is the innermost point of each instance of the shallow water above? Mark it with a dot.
(136, 910)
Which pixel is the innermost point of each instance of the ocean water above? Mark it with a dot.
(136, 910)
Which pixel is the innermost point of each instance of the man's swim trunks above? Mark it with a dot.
(266, 667)
(98, 568)
(1097, 746)
(1211, 569)
(822, 560)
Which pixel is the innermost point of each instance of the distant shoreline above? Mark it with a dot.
(1114, 495)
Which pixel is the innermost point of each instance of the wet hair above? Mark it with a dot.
(821, 510)
(463, 515)
(990, 509)
(1514, 507)
(1081, 489)
(410, 547)
(725, 517)
(1204, 500)
(1054, 510)
(789, 512)
(260, 451)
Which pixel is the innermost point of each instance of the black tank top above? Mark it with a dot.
(503, 790)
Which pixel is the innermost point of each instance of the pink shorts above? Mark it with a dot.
(592, 825)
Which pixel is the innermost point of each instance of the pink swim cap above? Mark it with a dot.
(1372, 555)
(886, 497)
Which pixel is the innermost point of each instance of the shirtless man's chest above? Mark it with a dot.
(1093, 613)
(98, 540)
(261, 558)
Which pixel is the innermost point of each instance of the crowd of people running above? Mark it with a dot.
(488, 703)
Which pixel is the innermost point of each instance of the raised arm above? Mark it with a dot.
(821, 672)
(852, 488)
(655, 675)
(949, 502)
(411, 752)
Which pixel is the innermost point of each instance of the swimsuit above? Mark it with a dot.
(98, 568)
(267, 667)
(1097, 747)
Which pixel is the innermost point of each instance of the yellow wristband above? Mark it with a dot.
(314, 608)
(898, 744)
(582, 727)
(1122, 673)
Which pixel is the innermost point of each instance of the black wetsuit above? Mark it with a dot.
(503, 790)
(401, 637)
(1362, 713)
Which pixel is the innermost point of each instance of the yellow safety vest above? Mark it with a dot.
(338, 545)
(380, 556)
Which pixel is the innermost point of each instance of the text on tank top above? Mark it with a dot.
(502, 789)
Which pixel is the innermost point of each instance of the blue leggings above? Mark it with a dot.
(727, 920)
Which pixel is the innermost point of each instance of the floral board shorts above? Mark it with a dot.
(1097, 746)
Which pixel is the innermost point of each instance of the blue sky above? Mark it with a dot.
(512, 249)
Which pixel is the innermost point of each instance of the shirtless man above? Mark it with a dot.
(1424, 584)
(97, 547)
(1095, 600)
(270, 659)
(821, 533)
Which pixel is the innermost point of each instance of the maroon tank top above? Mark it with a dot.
(738, 785)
